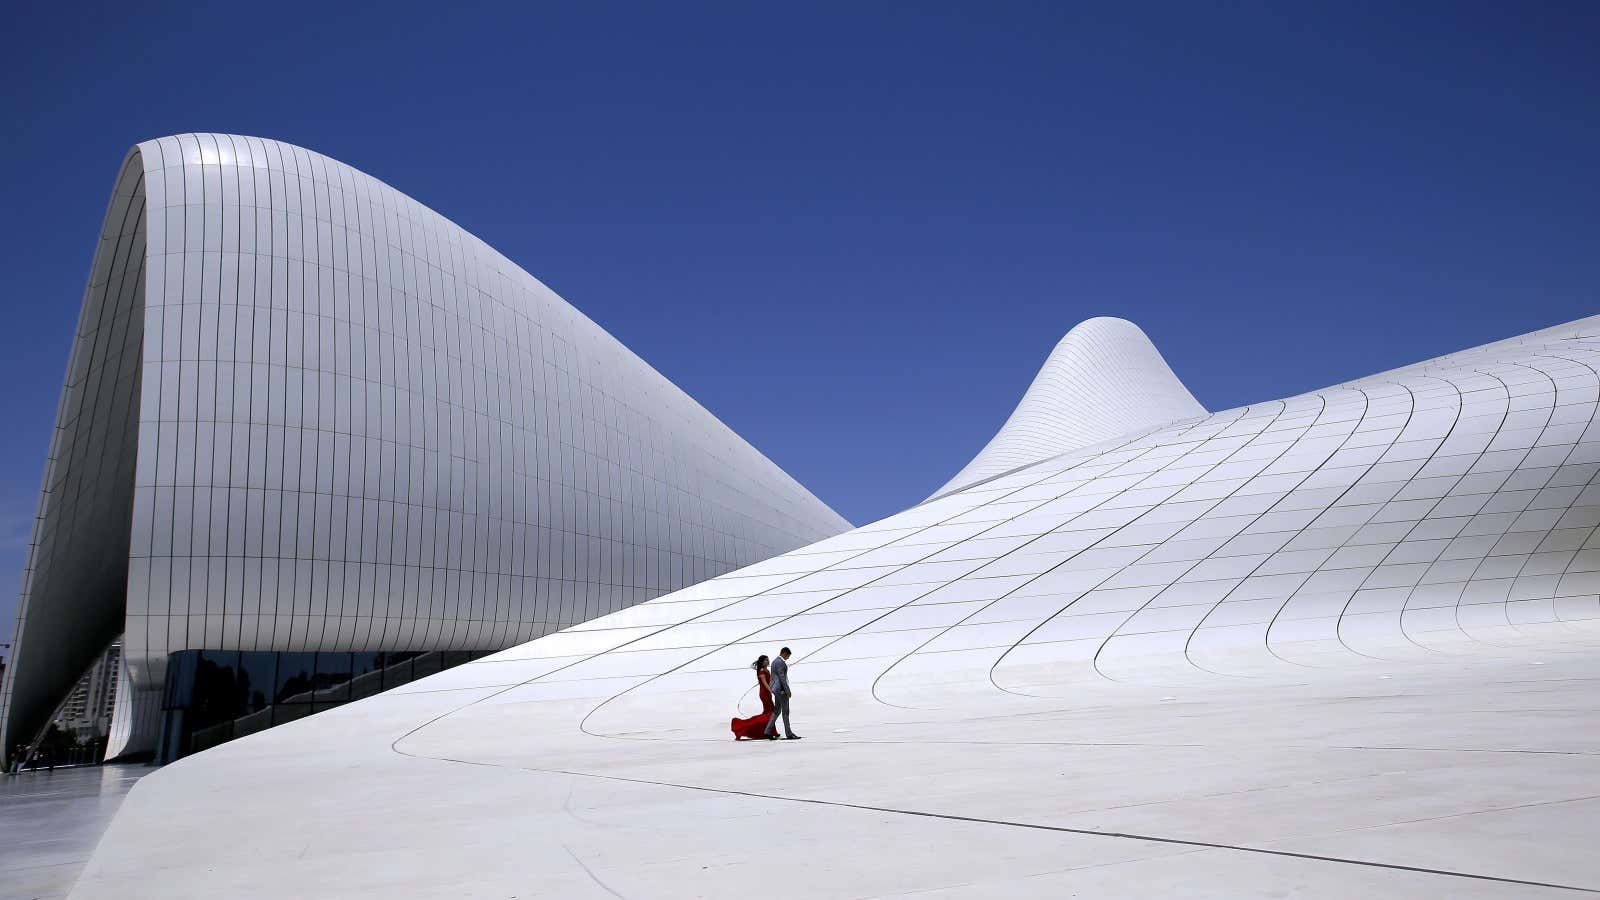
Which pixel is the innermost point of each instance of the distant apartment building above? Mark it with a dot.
(87, 712)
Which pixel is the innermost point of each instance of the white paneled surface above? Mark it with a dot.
(1341, 644)
(1103, 380)
(337, 421)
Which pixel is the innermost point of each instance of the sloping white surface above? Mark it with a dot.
(1343, 644)
(1104, 380)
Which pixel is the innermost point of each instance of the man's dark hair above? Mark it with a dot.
(784, 650)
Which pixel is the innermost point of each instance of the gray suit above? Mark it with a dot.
(778, 683)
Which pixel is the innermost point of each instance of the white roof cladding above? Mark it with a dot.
(305, 412)
(1342, 643)
(1104, 380)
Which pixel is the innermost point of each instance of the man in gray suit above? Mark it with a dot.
(779, 680)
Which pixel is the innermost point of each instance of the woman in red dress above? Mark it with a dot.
(755, 727)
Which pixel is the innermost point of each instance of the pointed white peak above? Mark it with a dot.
(1105, 379)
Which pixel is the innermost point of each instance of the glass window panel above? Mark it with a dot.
(216, 696)
(365, 677)
(260, 720)
(427, 664)
(209, 736)
(333, 678)
(180, 679)
(288, 712)
(397, 668)
(257, 679)
(293, 684)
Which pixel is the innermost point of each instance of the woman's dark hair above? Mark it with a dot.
(760, 661)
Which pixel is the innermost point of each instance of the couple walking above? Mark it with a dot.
(775, 692)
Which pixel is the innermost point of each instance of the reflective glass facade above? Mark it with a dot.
(214, 696)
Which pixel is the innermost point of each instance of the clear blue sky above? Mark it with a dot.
(853, 232)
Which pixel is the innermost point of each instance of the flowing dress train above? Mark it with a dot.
(756, 726)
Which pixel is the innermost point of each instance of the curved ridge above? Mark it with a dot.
(1103, 380)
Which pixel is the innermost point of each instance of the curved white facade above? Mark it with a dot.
(305, 412)
(1104, 380)
(1339, 643)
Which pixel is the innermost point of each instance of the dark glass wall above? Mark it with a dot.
(214, 696)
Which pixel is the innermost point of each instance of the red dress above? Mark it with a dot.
(756, 726)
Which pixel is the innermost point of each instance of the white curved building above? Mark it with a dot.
(304, 412)
(1339, 644)
(1104, 380)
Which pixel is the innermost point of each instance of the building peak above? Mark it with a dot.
(1104, 379)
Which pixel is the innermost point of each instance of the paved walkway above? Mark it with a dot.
(51, 822)
(1464, 775)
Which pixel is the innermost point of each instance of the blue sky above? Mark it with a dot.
(854, 231)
